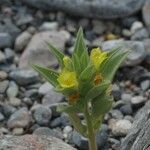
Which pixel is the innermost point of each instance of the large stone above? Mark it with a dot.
(86, 8)
(34, 142)
(37, 51)
(136, 55)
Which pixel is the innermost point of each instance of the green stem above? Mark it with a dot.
(90, 130)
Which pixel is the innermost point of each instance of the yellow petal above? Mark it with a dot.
(97, 57)
(66, 61)
(67, 79)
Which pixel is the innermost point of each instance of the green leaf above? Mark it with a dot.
(50, 75)
(97, 90)
(87, 73)
(79, 44)
(76, 64)
(58, 54)
(84, 59)
(112, 63)
(101, 105)
(97, 121)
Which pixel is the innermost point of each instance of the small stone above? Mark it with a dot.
(48, 132)
(3, 75)
(140, 35)
(3, 86)
(145, 85)
(67, 130)
(12, 90)
(136, 26)
(146, 12)
(45, 88)
(126, 109)
(17, 131)
(1, 117)
(116, 114)
(22, 40)
(5, 40)
(126, 97)
(8, 110)
(111, 36)
(24, 77)
(14, 101)
(121, 127)
(49, 26)
(9, 54)
(126, 33)
(42, 115)
(99, 27)
(2, 57)
(19, 119)
(24, 19)
(138, 100)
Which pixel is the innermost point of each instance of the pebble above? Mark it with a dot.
(17, 131)
(120, 127)
(9, 54)
(116, 114)
(13, 101)
(22, 40)
(3, 86)
(3, 75)
(140, 35)
(1, 117)
(49, 26)
(8, 110)
(138, 100)
(12, 90)
(24, 77)
(45, 88)
(126, 97)
(67, 130)
(19, 119)
(136, 26)
(146, 12)
(2, 57)
(42, 115)
(5, 40)
(126, 109)
(24, 19)
(145, 85)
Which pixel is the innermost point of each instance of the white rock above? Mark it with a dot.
(136, 26)
(136, 100)
(49, 26)
(45, 88)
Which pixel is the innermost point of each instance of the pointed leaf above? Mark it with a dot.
(50, 75)
(76, 64)
(58, 54)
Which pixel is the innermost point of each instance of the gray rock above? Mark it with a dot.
(121, 127)
(145, 84)
(48, 26)
(48, 132)
(5, 40)
(24, 77)
(45, 88)
(126, 109)
(146, 12)
(35, 142)
(116, 114)
(2, 57)
(22, 41)
(138, 100)
(8, 110)
(140, 35)
(17, 131)
(137, 54)
(37, 51)
(42, 115)
(96, 9)
(3, 86)
(12, 90)
(9, 54)
(3, 75)
(14, 101)
(51, 98)
(1, 117)
(19, 119)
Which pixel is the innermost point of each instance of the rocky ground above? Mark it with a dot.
(28, 103)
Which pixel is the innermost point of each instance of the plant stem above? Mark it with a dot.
(90, 130)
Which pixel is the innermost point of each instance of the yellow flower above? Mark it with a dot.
(97, 57)
(67, 79)
(67, 61)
